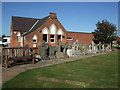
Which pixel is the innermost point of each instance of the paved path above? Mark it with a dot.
(9, 73)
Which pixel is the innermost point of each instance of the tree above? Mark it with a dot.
(105, 32)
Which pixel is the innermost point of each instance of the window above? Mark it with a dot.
(15, 32)
(69, 38)
(45, 37)
(60, 33)
(52, 33)
(34, 45)
(19, 39)
(4, 40)
(59, 37)
(45, 34)
(52, 29)
(34, 39)
(52, 38)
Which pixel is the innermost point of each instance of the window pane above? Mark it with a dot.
(69, 38)
(19, 39)
(52, 40)
(45, 37)
(4, 40)
(34, 40)
(51, 36)
(59, 36)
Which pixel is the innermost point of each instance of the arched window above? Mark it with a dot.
(60, 33)
(52, 33)
(34, 39)
(45, 34)
(52, 29)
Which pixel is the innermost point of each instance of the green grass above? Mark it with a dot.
(93, 72)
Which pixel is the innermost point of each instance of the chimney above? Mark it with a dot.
(53, 15)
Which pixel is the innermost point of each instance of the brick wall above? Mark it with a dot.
(38, 33)
(13, 39)
(84, 38)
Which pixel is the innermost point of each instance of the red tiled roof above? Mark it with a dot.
(84, 38)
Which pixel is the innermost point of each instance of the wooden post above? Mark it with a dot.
(6, 66)
(33, 58)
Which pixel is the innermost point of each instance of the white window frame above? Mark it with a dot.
(70, 37)
(60, 32)
(34, 38)
(18, 37)
(45, 31)
(36, 41)
(52, 33)
(34, 45)
(47, 39)
(15, 32)
(52, 38)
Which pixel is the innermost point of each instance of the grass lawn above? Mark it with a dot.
(93, 72)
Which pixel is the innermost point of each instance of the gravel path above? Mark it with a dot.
(9, 73)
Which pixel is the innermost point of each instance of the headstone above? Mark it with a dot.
(74, 51)
(103, 48)
(108, 48)
(43, 50)
(90, 49)
(59, 46)
(96, 48)
(65, 47)
(100, 47)
(85, 47)
(52, 51)
(93, 47)
(59, 53)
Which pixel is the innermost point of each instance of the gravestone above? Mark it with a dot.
(103, 48)
(74, 51)
(59, 53)
(65, 47)
(90, 49)
(108, 47)
(100, 47)
(85, 49)
(52, 51)
(43, 51)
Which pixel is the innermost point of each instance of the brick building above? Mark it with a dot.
(32, 32)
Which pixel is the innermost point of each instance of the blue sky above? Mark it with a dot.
(74, 16)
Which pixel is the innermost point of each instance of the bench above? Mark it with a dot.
(17, 55)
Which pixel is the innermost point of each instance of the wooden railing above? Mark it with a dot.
(15, 54)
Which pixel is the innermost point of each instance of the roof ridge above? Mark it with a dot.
(26, 17)
(78, 32)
